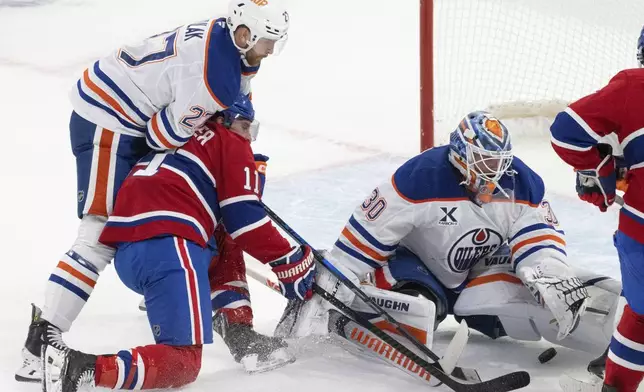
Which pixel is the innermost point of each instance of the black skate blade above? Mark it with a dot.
(20, 378)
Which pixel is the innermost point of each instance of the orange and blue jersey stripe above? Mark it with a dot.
(161, 135)
(358, 243)
(535, 238)
(97, 89)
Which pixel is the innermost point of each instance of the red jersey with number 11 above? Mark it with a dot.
(186, 192)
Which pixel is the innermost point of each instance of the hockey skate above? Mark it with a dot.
(589, 382)
(31, 369)
(77, 370)
(256, 352)
(598, 365)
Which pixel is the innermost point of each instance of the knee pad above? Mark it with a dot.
(406, 274)
(87, 245)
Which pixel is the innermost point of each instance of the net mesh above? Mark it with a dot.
(523, 58)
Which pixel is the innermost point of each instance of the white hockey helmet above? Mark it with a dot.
(266, 19)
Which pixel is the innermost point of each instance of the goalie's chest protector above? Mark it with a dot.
(455, 234)
(450, 233)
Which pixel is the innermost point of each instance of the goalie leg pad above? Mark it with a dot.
(415, 314)
(365, 343)
(407, 274)
(311, 317)
(498, 292)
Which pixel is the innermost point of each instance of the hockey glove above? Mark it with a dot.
(597, 186)
(260, 163)
(564, 296)
(296, 273)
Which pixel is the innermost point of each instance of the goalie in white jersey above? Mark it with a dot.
(152, 95)
(465, 226)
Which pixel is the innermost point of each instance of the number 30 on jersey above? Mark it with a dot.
(374, 206)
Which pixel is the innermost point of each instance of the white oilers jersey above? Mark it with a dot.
(166, 86)
(424, 208)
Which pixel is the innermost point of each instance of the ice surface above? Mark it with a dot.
(331, 135)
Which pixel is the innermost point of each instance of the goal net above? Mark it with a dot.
(24, 3)
(525, 58)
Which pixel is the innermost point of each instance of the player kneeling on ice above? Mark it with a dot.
(165, 214)
(466, 227)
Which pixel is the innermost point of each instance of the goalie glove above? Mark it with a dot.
(564, 296)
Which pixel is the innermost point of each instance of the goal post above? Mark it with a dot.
(518, 58)
(426, 74)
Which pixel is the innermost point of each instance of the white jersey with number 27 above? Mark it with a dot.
(166, 86)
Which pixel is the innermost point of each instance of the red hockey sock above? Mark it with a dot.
(149, 367)
(625, 380)
(227, 275)
(625, 364)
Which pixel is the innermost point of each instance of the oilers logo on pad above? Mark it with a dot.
(472, 247)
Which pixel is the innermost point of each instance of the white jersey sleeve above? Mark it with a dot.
(164, 87)
(374, 230)
(536, 239)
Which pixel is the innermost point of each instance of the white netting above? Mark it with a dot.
(24, 3)
(527, 57)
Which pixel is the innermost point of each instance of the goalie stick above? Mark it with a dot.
(507, 382)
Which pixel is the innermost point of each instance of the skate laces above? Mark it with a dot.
(54, 337)
(86, 379)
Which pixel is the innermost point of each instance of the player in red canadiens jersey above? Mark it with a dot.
(152, 94)
(166, 211)
(576, 137)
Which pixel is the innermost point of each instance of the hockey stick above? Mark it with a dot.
(263, 279)
(619, 200)
(507, 382)
(450, 357)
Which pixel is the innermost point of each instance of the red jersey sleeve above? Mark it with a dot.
(238, 188)
(577, 130)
